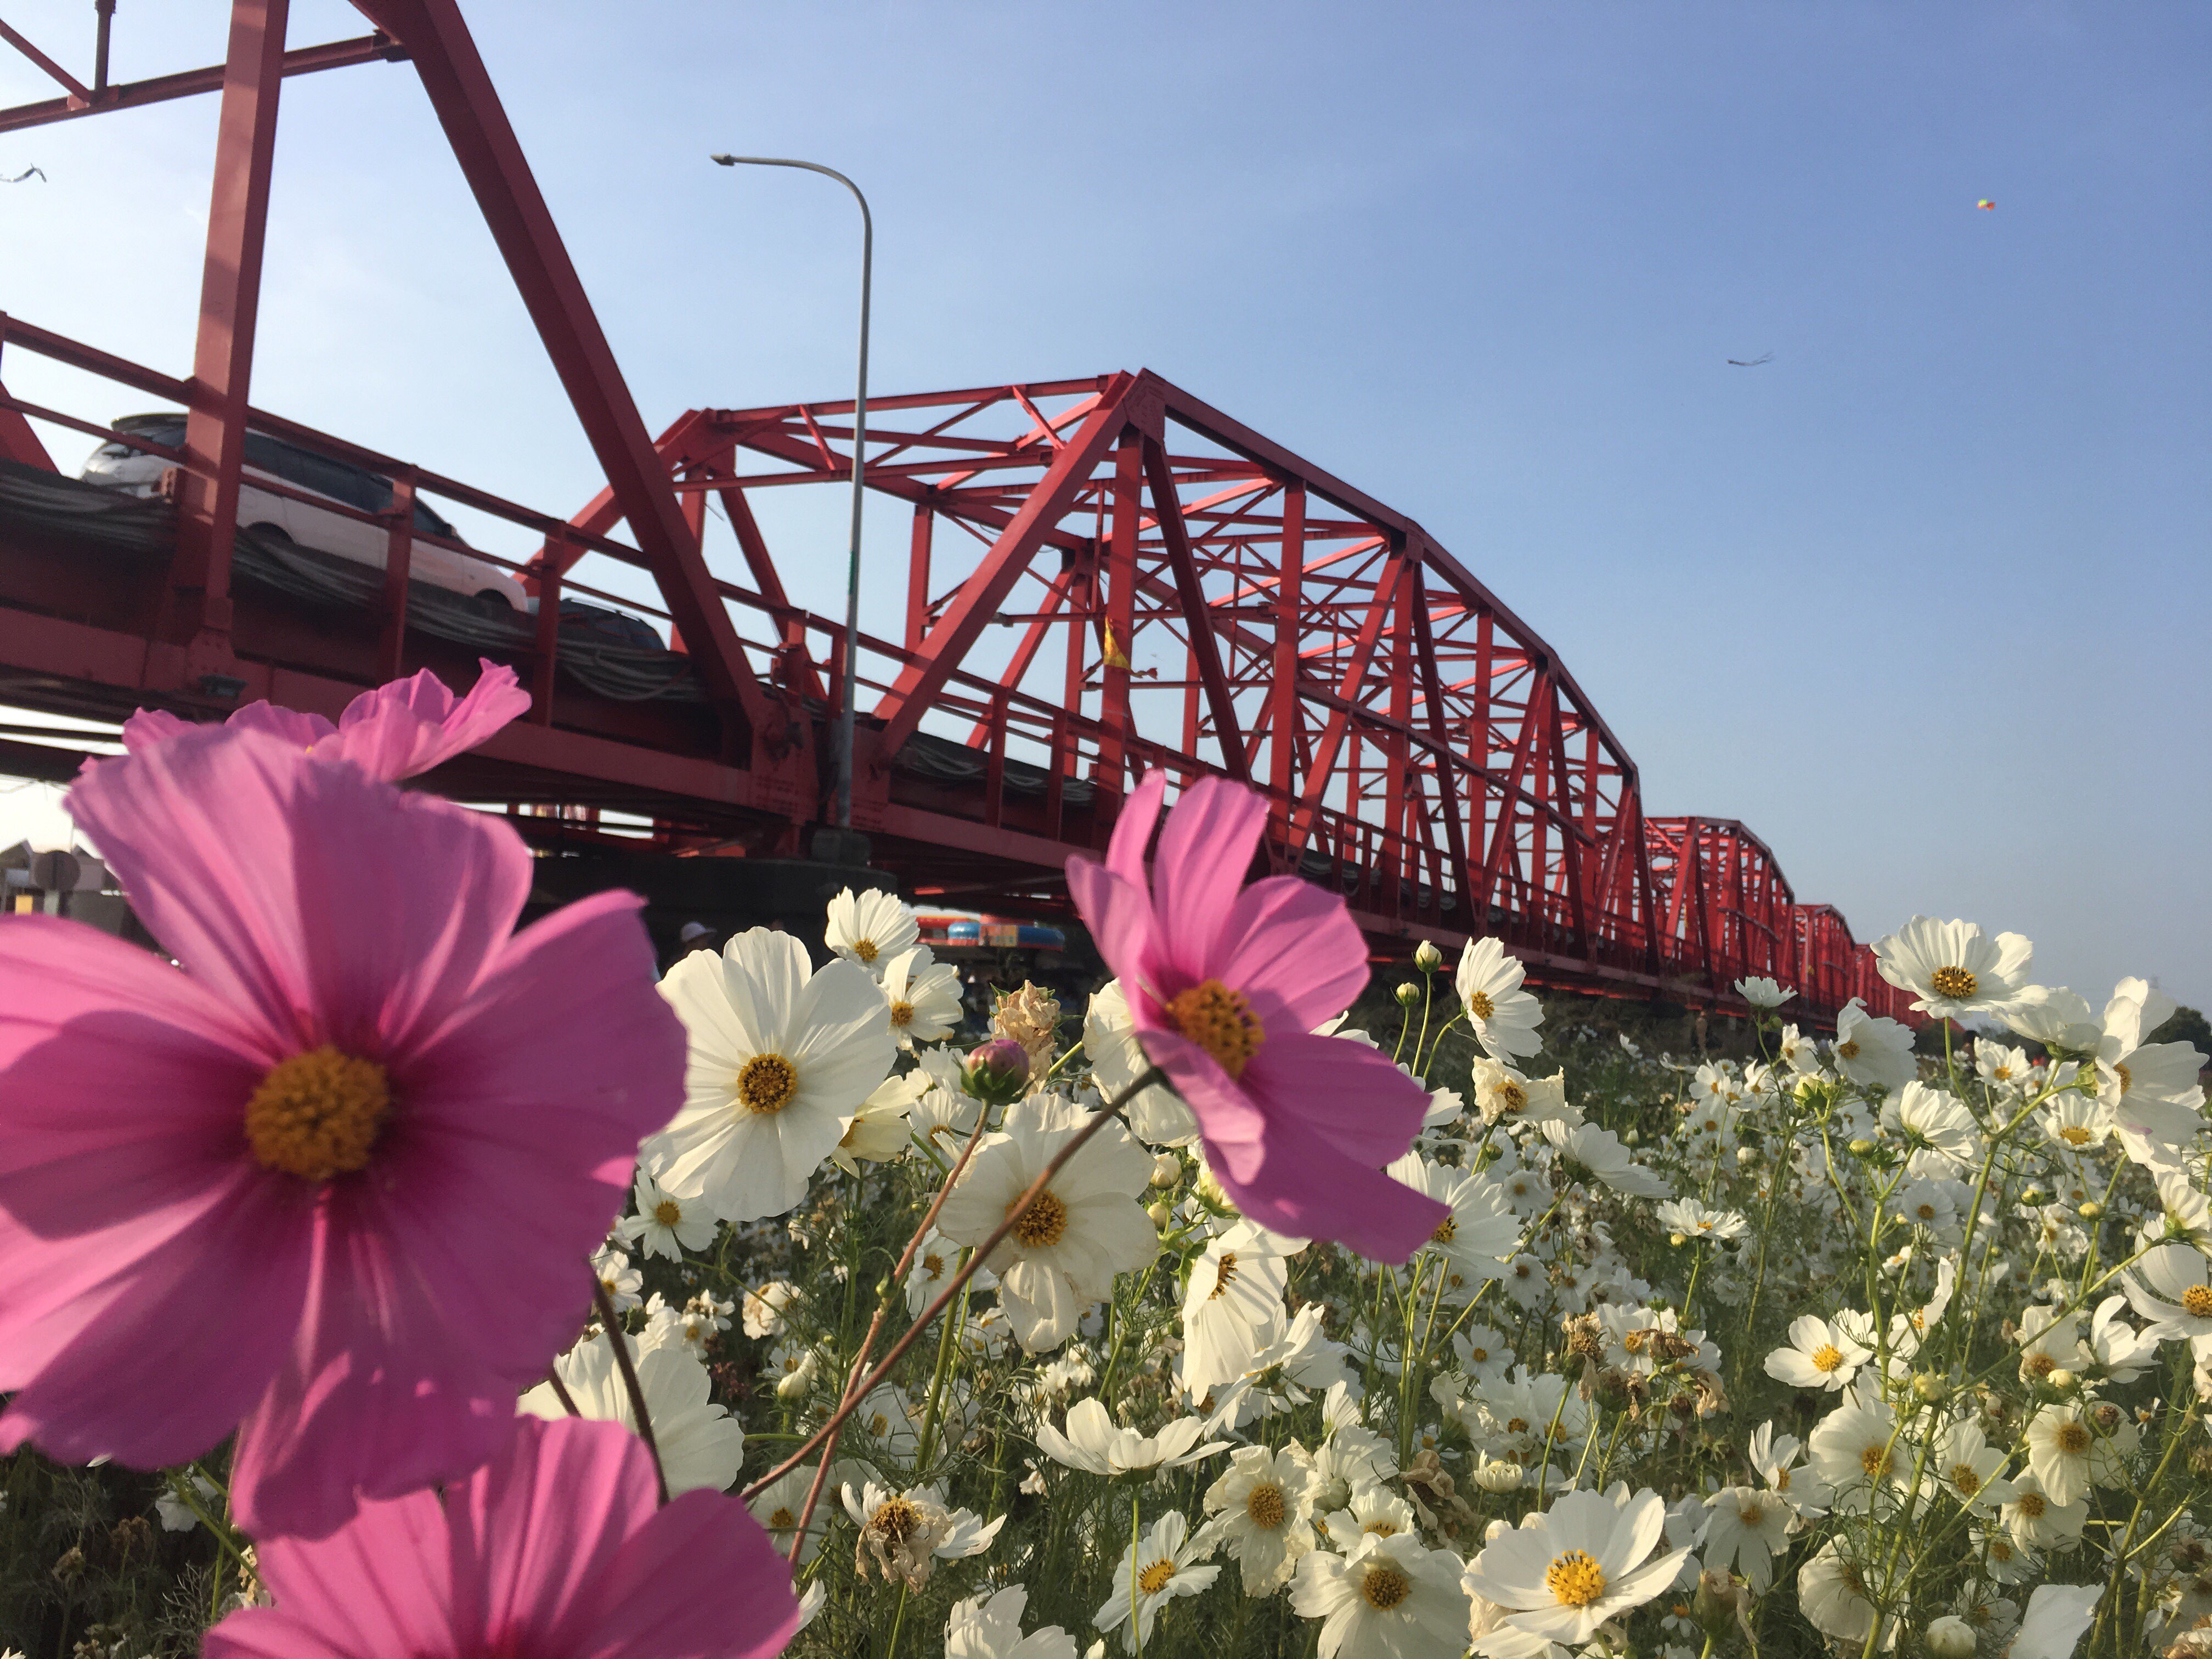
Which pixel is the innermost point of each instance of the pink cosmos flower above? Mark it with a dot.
(394, 732)
(334, 1184)
(1226, 987)
(553, 1550)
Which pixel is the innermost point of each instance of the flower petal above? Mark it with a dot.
(1205, 852)
(1294, 950)
(1133, 829)
(409, 726)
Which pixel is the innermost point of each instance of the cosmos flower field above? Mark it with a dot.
(379, 1282)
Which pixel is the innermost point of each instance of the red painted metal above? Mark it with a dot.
(1188, 596)
(130, 95)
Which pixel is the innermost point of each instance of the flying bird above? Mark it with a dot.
(26, 173)
(1750, 363)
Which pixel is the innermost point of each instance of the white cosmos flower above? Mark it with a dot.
(1389, 1598)
(1931, 1118)
(1953, 967)
(1872, 1051)
(763, 1307)
(2068, 1452)
(1232, 1306)
(1748, 1527)
(1158, 1117)
(621, 1281)
(1263, 1509)
(1504, 1017)
(1599, 1151)
(701, 1445)
(1161, 1566)
(1999, 1067)
(2151, 1088)
(2037, 1520)
(879, 1131)
(935, 1261)
(1694, 1221)
(1774, 1458)
(780, 1504)
(1971, 1468)
(1096, 1444)
(1856, 1449)
(2172, 1286)
(2055, 1017)
(923, 997)
(664, 1225)
(1081, 1231)
(1503, 1096)
(1762, 993)
(870, 928)
(781, 1060)
(1565, 1572)
(977, 1629)
(904, 1532)
(1480, 1232)
(1831, 1593)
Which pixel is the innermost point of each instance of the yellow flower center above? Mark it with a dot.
(879, 1425)
(1384, 1587)
(1634, 1340)
(1848, 1050)
(1220, 1021)
(1224, 1274)
(1042, 1224)
(2196, 1301)
(2127, 1077)
(1956, 982)
(1782, 1481)
(2074, 1135)
(1478, 1356)
(318, 1114)
(1963, 1477)
(1575, 1578)
(1752, 1515)
(1446, 1230)
(1265, 1506)
(2000, 1552)
(1925, 1210)
(1480, 1006)
(1516, 1425)
(1381, 1528)
(2031, 1505)
(1877, 1461)
(2072, 1438)
(668, 1212)
(1154, 1579)
(896, 1519)
(1510, 1096)
(1827, 1358)
(866, 950)
(2001, 1073)
(901, 1013)
(2041, 1364)
(766, 1084)
(782, 1520)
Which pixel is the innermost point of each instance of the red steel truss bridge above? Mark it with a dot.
(1102, 575)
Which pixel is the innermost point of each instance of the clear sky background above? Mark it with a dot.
(1926, 600)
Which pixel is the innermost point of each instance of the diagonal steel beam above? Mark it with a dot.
(1205, 649)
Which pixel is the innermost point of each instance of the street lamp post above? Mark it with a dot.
(859, 473)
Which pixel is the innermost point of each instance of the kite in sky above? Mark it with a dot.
(1986, 205)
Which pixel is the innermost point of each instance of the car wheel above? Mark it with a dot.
(275, 534)
(493, 600)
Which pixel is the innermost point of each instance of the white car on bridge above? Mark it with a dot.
(304, 523)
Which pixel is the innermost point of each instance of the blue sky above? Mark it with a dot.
(1924, 600)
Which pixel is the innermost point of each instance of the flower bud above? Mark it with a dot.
(1861, 1147)
(1159, 1211)
(997, 1071)
(2090, 1211)
(1717, 1601)
(1408, 994)
(1678, 1240)
(1950, 1638)
(1427, 957)
(1499, 1476)
(1746, 1155)
(1631, 1138)
(2061, 1379)
(1167, 1169)
(1929, 1387)
(2031, 1193)
(794, 1383)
